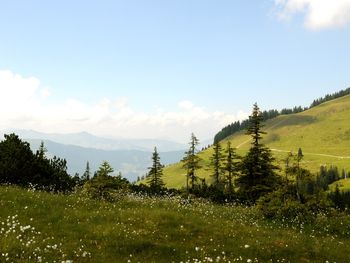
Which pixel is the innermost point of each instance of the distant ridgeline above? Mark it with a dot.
(267, 115)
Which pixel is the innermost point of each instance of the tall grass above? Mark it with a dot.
(42, 227)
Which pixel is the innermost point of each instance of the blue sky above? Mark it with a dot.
(166, 68)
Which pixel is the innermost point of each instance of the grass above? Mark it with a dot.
(323, 133)
(42, 227)
(344, 185)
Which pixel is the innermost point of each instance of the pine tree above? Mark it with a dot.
(155, 172)
(258, 175)
(288, 163)
(42, 151)
(87, 173)
(191, 161)
(216, 163)
(231, 166)
(299, 178)
(105, 169)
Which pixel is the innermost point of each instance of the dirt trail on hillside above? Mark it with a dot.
(305, 153)
(316, 154)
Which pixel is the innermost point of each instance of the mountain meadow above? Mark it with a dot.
(322, 132)
(275, 190)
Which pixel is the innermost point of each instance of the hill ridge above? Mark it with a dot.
(323, 133)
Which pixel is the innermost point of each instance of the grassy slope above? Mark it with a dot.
(343, 184)
(322, 132)
(152, 230)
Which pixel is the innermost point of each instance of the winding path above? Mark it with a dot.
(305, 153)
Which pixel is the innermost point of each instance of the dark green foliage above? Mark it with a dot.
(283, 204)
(16, 161)
(340, 199)
(191, 162)
(231, 129)
(105, 169)
(18, 165)
(242, 125)
(231, 167)
(155, 173)
(329, 97)
(87, 173)
(327, 176)
(258, 175)
(105, 186)
(216, 164)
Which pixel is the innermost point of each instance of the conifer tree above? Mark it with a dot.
(299, 178)
(155, 172)
(191, 161)
(231, 166)
(87, 173)
(105, 169)
(258, 175)
(216, 163)
(42, 151)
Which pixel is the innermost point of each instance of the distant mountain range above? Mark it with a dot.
(130, 157)
(88, 140)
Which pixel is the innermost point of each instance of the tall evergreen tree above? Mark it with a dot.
(216, 163)
(191, 161)
(42, 151)
(87, 173)
(155, 172)
(258, 175)
(299, 178)
(231, 166)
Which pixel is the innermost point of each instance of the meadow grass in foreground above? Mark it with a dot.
(43, 227)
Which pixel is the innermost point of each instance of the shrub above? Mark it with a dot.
(106, 188)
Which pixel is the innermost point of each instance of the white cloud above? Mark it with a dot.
(186, 105)
(45, 93)
(319, 14)
(23, 105)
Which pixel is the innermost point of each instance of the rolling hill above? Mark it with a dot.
(322, 132)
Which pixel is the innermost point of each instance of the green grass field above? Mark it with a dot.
(323, 133)
(42, 227)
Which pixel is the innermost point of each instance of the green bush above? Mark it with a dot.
(106, 188)
(283, 204)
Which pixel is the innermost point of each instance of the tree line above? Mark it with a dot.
(20, 166)
(270, 114)
(252, 179)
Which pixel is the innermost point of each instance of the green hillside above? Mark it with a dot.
(323, 133)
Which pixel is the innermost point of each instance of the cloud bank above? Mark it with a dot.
(24, 105)
(318, 14)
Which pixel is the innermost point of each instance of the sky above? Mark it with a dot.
(164, 69)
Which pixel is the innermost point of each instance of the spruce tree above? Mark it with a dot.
(231, 166)
(105, 169)
(216, 163)
(191, 161)
(299, 178)
(87, 173)
(258, 175)
(155, 172)
(42, 151)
